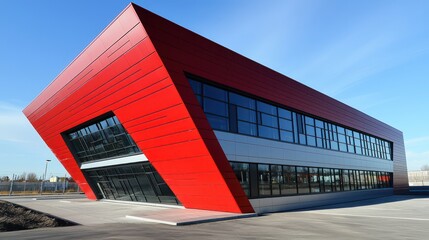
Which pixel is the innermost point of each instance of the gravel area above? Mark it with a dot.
(14, 217)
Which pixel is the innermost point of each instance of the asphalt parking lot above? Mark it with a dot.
(393, 217)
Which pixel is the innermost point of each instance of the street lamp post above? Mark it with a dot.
(44, 176)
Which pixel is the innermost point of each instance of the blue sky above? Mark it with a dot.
(372, 55)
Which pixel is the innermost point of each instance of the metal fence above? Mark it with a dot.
(24, 188)
(418, 178)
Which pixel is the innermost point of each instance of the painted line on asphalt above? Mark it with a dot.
(384, 209)
(369, 216)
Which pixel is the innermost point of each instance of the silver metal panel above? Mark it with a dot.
(276, 204)
(243, 148)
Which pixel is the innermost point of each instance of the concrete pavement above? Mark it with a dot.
(86, 212)
(394, 217)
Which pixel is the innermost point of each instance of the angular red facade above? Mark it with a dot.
(136, 69)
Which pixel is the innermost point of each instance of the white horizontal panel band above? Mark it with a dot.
(115, 161)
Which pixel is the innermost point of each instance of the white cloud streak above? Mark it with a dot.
(417, 140)
(415, 160)
(14, 127)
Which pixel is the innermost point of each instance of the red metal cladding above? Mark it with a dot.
(136, 68)
(184, 51)
(121, 71)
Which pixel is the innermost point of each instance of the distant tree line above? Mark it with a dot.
(28, 177)
(23, 177)
(425, 167)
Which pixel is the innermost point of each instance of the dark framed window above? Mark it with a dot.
(100, 139)
(337, 182)
(327, 180)
(215, 93)
(273, 180)
(288, 186)
(241, 171)
(303, 180)
(314, 180)
(264, 180)
(227, 110)
(276, 179)
(346, 180)
(132, 182)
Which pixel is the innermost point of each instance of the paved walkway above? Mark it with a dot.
(86, 212)
(394, 217)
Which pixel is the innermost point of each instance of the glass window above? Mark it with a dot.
(268, 132)
(379, 181)
(309, 120)
(241, 171)
(275, 123)
(302, 139)
(337, 183)
(266, 108)
(358, 150)
(319, 133)
(215, 107)
(283, 113)
(346, 180)
(341, 130)
(215, 93)
(264, 180)
(286, 136)
(246, 114)
(97, 141)
(363, 182)
(302, 180)
(310, 130)
(247, 128)
(334, 145)
(314, 180)
(320, 143)
(268, 120)
(327, 180)
(311, 141)
(319, 124)
(341, 138)
(358, 181)
(276, 179)
(242, 101)
(285, 124)
(196, 86)
(343, 147)
(288, 186)
(132, 182)
(217, 122)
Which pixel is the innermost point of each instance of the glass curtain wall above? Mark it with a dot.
(230, 111)
(131, 182)
(271, 180)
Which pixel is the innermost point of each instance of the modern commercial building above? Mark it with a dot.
(153, 112)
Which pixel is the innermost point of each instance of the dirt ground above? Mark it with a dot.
(14, 217)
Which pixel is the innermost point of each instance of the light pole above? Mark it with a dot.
(46, 168)
(44, 176)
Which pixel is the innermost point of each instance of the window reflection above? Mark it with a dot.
(281, 180)
(234, 112)
(264, 180)
(103, 139)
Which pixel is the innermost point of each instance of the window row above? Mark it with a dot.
(132, 182)
(232, 112)
(265, 180)
(104, 139)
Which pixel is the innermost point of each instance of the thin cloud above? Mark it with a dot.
(14, 127)
(417, 140)
(415, 160)
(369, 46)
